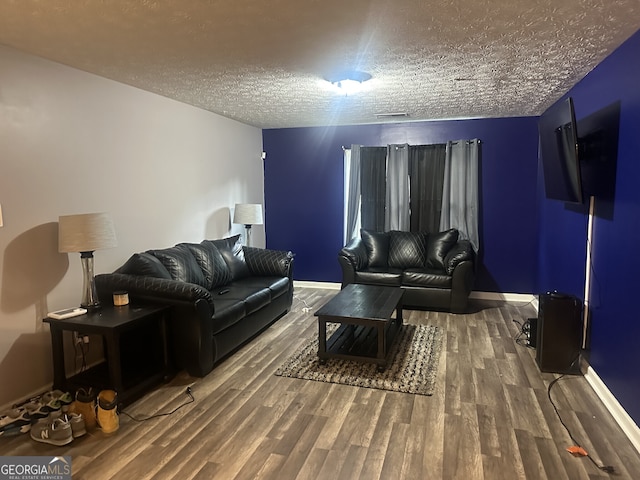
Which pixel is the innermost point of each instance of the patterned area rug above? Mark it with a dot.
(415, 356)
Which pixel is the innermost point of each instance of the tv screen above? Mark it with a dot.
(559, 153)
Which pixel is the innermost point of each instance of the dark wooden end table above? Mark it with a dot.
(135, 349)
(367, 329)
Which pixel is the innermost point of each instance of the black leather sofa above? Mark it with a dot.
(435, 270)
(222, 294)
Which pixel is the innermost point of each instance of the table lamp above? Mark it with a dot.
(86, 233)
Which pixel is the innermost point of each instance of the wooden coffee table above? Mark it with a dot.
(367, 330)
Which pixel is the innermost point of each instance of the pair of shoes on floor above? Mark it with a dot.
(58, 428)
(98, 410)
(20, 418)
(52, 401)
(15, 421)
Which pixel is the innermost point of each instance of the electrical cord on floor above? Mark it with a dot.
(524, 336)
(306, 307)
(166, 414)
(84, 351)
(604, 468)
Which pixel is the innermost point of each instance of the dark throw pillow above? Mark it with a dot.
(407, 249)
(144, 264)
(180, 264)
(215, 269)
(377, 245)
(230, 242)
(438, 245)
(231, 250)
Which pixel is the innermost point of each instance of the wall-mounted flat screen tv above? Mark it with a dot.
(559, 153)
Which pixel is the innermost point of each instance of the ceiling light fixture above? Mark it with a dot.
(349, 81)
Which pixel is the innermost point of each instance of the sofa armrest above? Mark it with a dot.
(190, 325)
(160, 290)
(263, 262)
(462, 251)
(355, 253)
(461, 286)
(352, 258)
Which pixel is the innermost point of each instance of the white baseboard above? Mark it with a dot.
(321, 285)
(628, 426)
(506, 297)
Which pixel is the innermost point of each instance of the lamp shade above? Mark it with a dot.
(248, 214)
(85, 232)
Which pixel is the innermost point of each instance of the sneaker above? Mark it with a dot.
(38, 410)
(57, 399)
(76, 420)
(107, 413)
(56, 432)
(15, 421)
(11, 430)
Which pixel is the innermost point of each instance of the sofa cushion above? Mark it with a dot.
(414, 277)
(277, 285)
(438, 245)
(228, 311)
(254, 298)
(380, 276)
(231, 250)
(407, 249)
(144, 264)
(180, 264)
(214, 268)
(377, 245)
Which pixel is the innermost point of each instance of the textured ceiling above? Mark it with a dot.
(264, 62)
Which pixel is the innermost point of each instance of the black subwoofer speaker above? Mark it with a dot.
(559, 333)
(533, 331)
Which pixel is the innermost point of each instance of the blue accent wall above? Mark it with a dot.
(304, 193)
(616, 238)
(528, 244)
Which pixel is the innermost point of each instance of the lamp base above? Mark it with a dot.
(89, 293)
(247, 237)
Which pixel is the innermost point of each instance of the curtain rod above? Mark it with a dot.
(452, 141)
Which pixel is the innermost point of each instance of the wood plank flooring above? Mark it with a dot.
(490, 417)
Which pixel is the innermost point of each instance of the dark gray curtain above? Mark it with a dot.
(426, 176)
(373, 187)
(460, 205)
(397, 204)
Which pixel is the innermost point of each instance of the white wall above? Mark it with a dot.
(72, 142)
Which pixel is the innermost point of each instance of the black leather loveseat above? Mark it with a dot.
(435, 270)
(222, 294)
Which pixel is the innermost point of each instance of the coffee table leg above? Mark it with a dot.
(399, 320)
(322, 340)
(382, 350)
